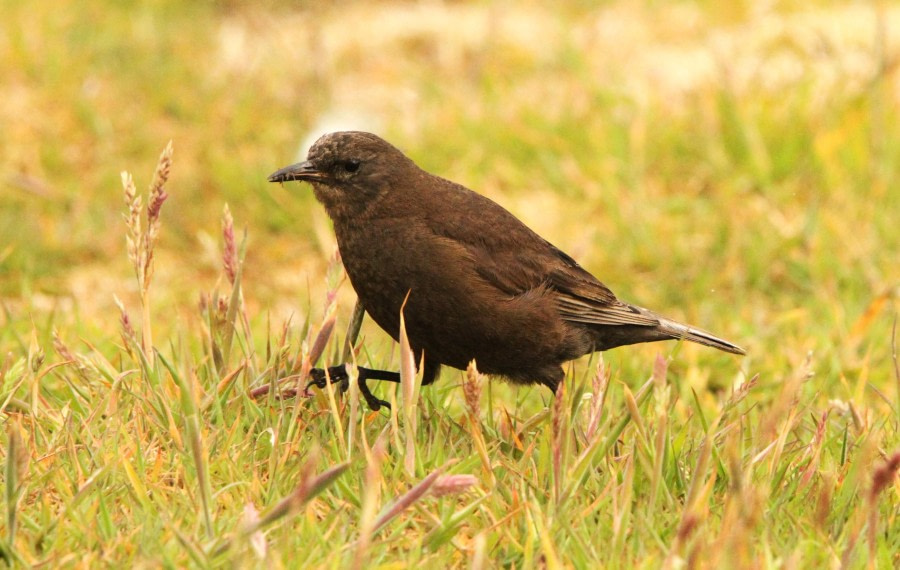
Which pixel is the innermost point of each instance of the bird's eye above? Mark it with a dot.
(351, 166)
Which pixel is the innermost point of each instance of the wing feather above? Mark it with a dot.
(518, 261)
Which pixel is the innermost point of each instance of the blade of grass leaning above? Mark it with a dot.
(599, 447)
(701, 467)
(224, 387)
(661, 396)
(472, 384)
(409, 385)
(479, 552)
(705, 424)
(600, 389)
(190, 546)
(353, 328)
(256, 539)
(137, 486)
(334, 413)
(371, 496)
(35, 361)
(551, 558)
(559, 423)
(353, 398)
(89, 486)
(307, 489)
(450, 527)
(321, 341)
(896, 361)
(195, 439)
(16, 467)
(315, 353)
(623, 514)
(409, 498)
(234, 301)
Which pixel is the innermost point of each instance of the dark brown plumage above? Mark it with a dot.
(481, 284)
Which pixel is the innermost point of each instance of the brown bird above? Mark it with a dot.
(480, 284)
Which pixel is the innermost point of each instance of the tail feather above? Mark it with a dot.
(677, 330)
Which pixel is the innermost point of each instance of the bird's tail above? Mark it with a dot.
(677, 330)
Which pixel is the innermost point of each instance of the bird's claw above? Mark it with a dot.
(319, 377)
(375, 404)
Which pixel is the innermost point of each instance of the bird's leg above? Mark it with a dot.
(370, 374)
(319, 377)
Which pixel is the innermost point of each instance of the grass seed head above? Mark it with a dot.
(133, 236)
(472, 390)
(229, 254)
(453, 484)
(158, 193)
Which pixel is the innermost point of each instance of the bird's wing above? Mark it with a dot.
(581, 298)
(515, 268)
(517, 260)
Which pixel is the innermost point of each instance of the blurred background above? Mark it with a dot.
(730, 164)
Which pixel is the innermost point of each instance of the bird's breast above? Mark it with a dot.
(381, 263)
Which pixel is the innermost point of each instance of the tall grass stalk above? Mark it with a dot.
(141, 238)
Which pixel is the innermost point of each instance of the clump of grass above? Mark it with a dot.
(186, 425)
(307, 488)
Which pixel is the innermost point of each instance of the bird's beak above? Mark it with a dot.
(300, 171)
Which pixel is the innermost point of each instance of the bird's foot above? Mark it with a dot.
(320, 378)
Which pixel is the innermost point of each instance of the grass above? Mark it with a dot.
(733, 167)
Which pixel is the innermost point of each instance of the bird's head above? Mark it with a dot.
(348, 170)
